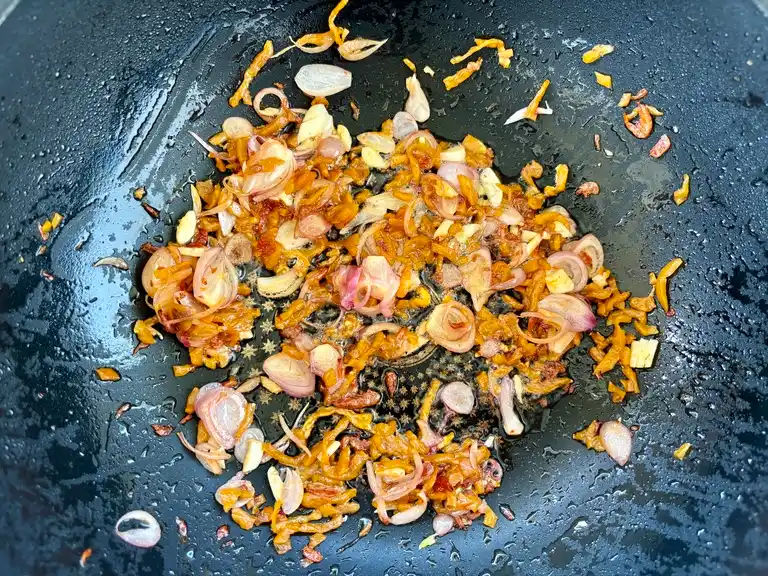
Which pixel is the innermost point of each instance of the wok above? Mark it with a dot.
(96, 100)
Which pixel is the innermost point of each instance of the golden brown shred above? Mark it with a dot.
(243, 92)
(107, 374)
(462, 75)
(681, 194)
(589, 437)
(682, 452)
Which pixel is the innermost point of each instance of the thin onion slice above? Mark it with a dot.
(590, 249)
(383, 282)
(511, 423)
(291, 374)
(268, 184)
(359, 48)
(322, 79)
(239, 483)
(473, 454)
(292, 492)
(292, 436)
(411, 514)
(517, 278)
(548, 318)
(452, 326)
(241, 448)
(268, 114)
(450, 172)
(458, 397)
(208, 148)
(476, 277)
(617, 441)
(420, 135)
(379, 327)
(144, 537)
(222, 411)
(161, 258)
(215, 281)
(403, 125)
(576, 312)
(201, 453)
(321, 42)
(442, 524)
(323, 358)
(574, 267)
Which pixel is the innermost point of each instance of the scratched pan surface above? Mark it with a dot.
(96, 100)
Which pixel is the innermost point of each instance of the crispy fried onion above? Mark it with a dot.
(215, 281)
(222, 411)
(452, 326)
(644, 125)
(235, 493)
(406, 516)
(270, 183)
(391, 491)
(476, 277)
(375, 279)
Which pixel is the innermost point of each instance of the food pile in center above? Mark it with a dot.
(385, 246)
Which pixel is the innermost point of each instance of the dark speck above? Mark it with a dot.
(752, 100)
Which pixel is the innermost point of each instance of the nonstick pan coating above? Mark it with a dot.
(96, 100)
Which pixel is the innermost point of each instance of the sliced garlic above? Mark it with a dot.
(279, 286)
(442, 230)
(562, 229)
(286, 236)
(286, 199)
(454, 154)
(193, 252)
(253, 455)
(226, 222)
(335, 445)
(601, 279)
(197, 204)
(558, 281)
(382, 143)
(392, 473)
(642, 353)
(186, 228)
(271, 385)
(417, 104)
(467, 231)
(317, 124)
(489, 182)
(275, 483)
(533, 243)
(373, 159)
(344, 136)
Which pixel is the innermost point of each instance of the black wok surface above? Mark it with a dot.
(96, 100)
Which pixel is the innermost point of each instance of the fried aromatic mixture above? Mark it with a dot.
(380, 247)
